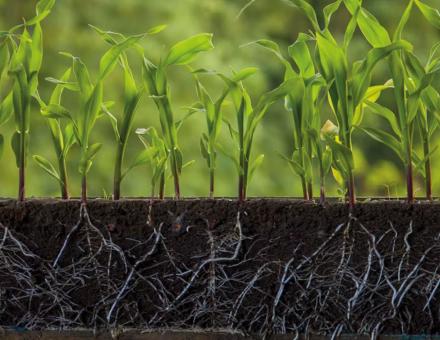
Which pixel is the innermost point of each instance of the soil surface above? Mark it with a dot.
(265, 266)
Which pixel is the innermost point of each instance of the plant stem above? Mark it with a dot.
(409, 175)
(211, 183)
(118, 172)
(351, 190)
(428, 173)
(63, 177)
(310, 190)
(21, 169)
(84, 190)
(304, 188)
(322, 191)
(162, 187)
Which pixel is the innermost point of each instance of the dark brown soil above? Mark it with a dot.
(299, 267)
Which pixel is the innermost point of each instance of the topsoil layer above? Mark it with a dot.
(264, 266)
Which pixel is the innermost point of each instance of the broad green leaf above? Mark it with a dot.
(87, 157)
(255, 165)
(308, 11)
(37, 49)
(156, 29)
(4, 57)
(187, 50)
(387, 114)
(146, 156)
(403, 21)
(431, 14)
(15, 144)
(386, 139)
(111, 57)
(327, 160)
(372, 30)
(6, 108)
(300, 53)
(82, 76)
(55, 111)
(296, 167)
(47, 166)
(72, 86)
(362, 77)
(244, 73)
(329, 10)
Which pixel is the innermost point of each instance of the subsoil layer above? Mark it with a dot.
(264, 266)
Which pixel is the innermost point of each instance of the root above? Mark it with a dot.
(356, 281)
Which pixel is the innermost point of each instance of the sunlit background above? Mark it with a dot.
(378, 170)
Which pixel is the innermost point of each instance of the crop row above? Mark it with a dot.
(317, 73)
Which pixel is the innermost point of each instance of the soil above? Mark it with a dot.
(260, 267)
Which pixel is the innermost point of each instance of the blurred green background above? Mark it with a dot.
(378, 171)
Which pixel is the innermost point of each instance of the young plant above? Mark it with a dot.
(91, 104)
(63, 137)
(156, 81)
(347, 86)
(6, 106)
(214, 116)
(377, 36)
(248, 118)
(156, 154)
(423, 103)
(24, 69)
(132, 93)
(303, 104)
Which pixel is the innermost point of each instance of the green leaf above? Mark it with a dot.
(362, 78)
(6, 108)
(431, 14)
(296, 167)
(300, 53)
(15, 144)
(37, 49)
(329, 10)
(146, 156)
(187, 50)
(4, 57)
(386, 139)
(55, 111)
(244, 73)
(327, 160)
(47, 166)
(82, 76)
(156, 29)
(87, 157)
(387, 114)
(372, 30)
(255, 165)
(308, 11)
(111, 57)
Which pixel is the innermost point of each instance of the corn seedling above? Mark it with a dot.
(156, 154)
(156, 82)
(24, 68)
(248, 118)
(422, 105)
(377, 36)
(6, 106)
(303, 105)
(132, 93)
(347, 86)
(91, 104)
(62, 134)
(214, 119)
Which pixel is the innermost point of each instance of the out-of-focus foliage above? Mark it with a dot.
(67, 30)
